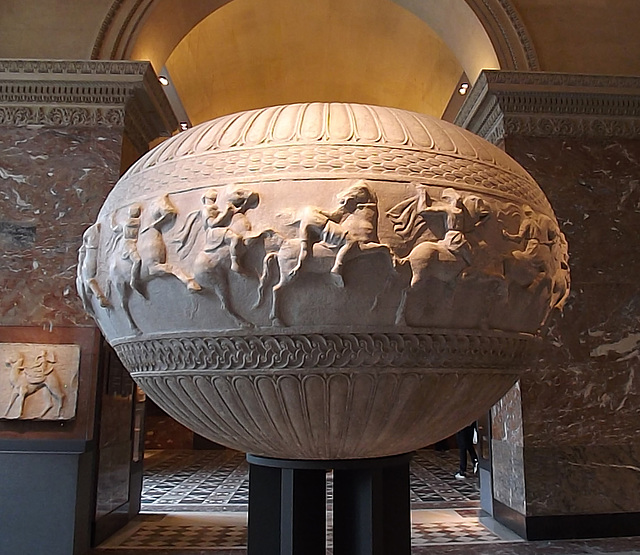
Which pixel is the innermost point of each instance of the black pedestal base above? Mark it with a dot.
(371, 506)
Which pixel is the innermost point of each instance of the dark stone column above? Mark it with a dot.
(288, 505)
(67, 131)
(565, 450)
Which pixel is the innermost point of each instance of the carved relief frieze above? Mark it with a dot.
(551, 104)
(440, 247)
(56, 116)
(38, 382)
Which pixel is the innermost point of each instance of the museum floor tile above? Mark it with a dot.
(195, 503)
(181, 481)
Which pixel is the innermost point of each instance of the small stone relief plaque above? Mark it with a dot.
(38, 382)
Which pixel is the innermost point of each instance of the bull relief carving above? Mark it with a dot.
(38, 382)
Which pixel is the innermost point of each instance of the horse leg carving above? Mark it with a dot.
(265, 278)
(49, 405)
(159, 269)
(124, 293)
(56, 393)
(336, 271)
(95, 289)
(275, 305)
(14, 395)
(22, 397)
(402, 305)
(221, 288)
(304, 254)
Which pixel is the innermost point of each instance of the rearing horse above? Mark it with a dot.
(143, 254)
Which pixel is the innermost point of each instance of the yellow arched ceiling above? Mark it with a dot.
(252, 53)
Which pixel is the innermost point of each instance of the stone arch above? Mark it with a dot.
(483, 33)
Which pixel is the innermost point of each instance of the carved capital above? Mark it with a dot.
(86, 93)
(504, 103)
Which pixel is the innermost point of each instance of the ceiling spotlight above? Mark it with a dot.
(163, 80)
(184, 126)
(464, 87)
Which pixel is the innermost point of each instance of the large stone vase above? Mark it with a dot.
(324, 281)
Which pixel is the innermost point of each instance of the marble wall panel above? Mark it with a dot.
(585, 388)
(582, 479)
(506, 418)
(589, 404)
(594, 187)
(52, 184)
(508, 475)
(507, 450)
(581, 402)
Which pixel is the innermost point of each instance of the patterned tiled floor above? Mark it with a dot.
(180, 481)
(195, 502)
(213, 531)
(198, 500)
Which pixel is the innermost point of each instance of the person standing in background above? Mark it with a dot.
(465, 444)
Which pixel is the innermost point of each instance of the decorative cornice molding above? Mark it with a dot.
(509, 36)
(87, 93)
(522, 33)
(119, 27)
(504, 103)
(453, 349)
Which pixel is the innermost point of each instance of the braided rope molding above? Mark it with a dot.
(545, 105)
(341, 350)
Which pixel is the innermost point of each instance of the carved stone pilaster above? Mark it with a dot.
(504, 103)
(86, 93)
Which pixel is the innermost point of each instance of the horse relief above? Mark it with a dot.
(86, 279)
(326, 240)
(542, 261)
(138, 253)
(227, 235)
(436, 231)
